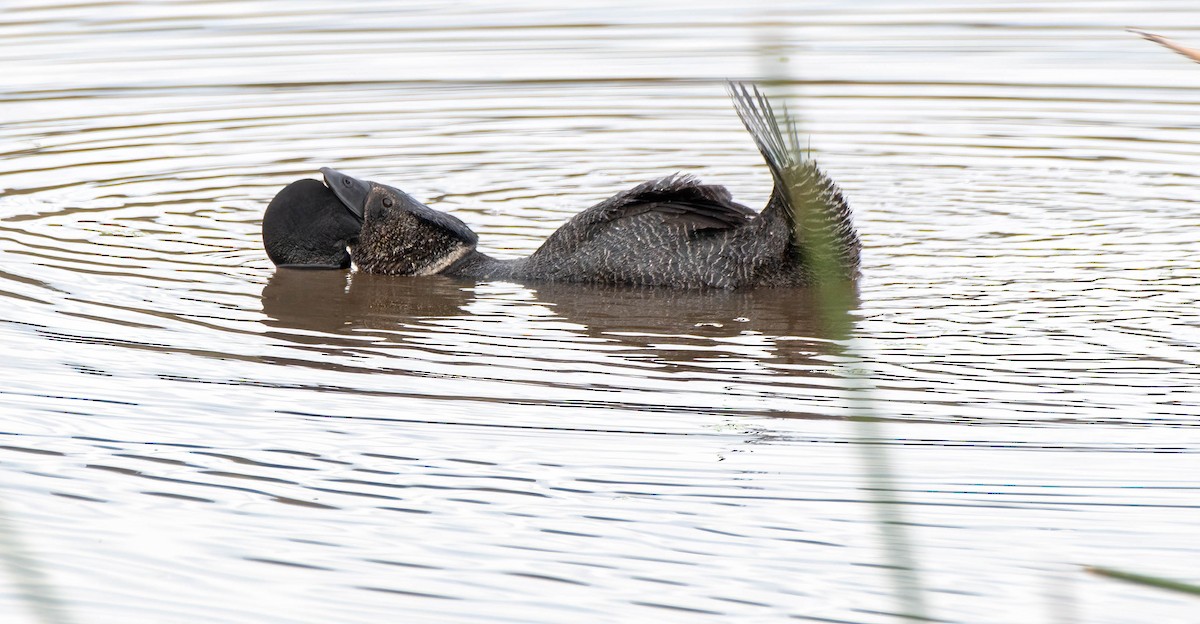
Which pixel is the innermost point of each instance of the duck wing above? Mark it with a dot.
(681, 201)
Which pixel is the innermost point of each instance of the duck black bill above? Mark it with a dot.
(350, 190)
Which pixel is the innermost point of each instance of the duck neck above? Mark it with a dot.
(476, 265)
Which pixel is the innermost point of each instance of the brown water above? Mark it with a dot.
(190, 436)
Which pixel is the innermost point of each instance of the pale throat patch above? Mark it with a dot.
(445, 261)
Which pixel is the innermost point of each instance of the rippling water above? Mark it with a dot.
(191, 436)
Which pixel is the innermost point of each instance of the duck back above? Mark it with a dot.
(679, 232)
(674, 231)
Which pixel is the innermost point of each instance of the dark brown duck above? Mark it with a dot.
(673, 232)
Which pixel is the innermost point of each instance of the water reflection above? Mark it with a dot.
(338, 302)
(795, 324)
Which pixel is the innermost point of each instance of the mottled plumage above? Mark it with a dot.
(674, 232)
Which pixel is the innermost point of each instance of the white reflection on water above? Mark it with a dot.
(192, 436)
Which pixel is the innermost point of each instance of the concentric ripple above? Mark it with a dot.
(191, 436)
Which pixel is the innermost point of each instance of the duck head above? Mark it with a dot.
(307, 225)
(400, 235)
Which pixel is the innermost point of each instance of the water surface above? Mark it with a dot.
(189, 435)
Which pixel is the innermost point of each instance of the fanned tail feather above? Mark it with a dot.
(823, 236)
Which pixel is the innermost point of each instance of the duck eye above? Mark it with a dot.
(387, 202)
(345, 181)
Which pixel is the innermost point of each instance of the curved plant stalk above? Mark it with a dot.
(1146, 579)
(821, 218)
(1191, 53)
(26, 573)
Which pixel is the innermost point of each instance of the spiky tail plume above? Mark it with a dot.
(823, 236)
